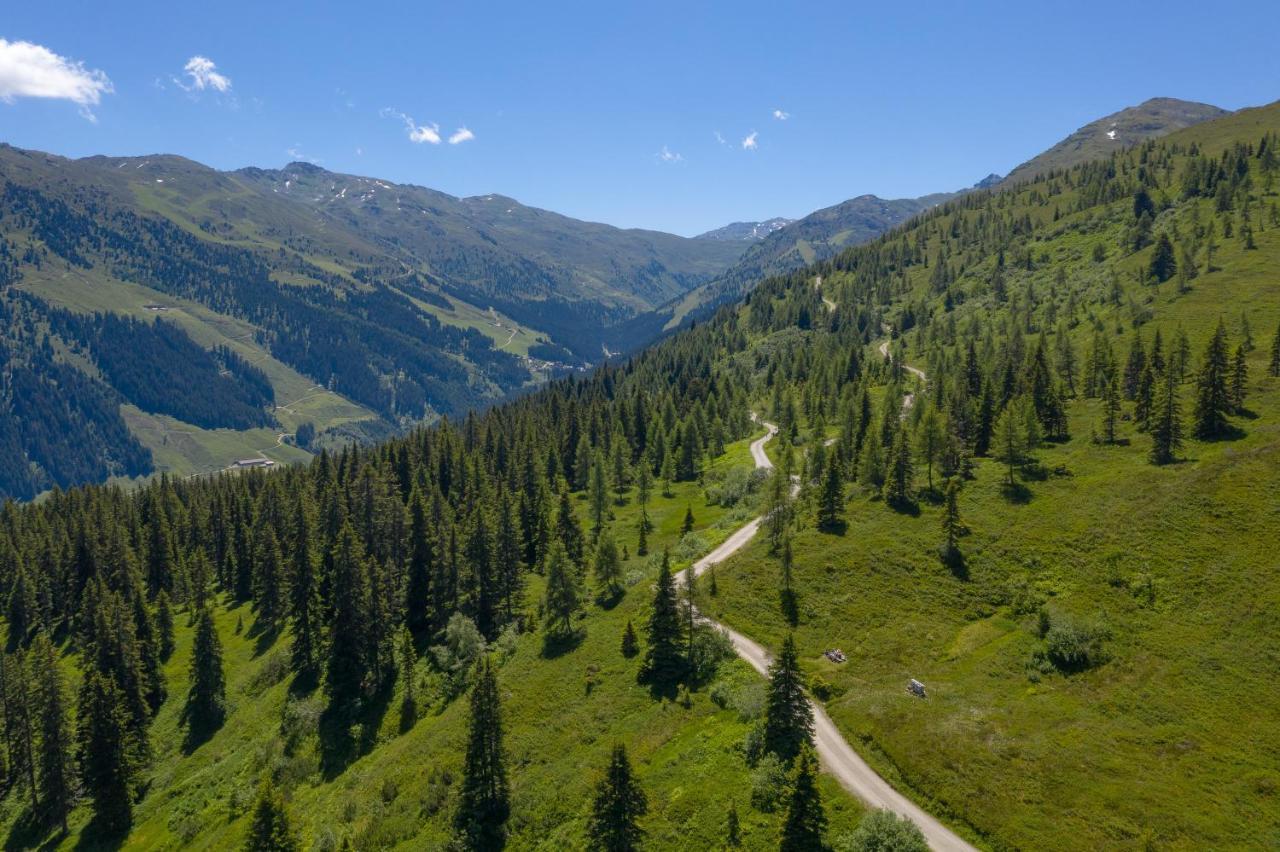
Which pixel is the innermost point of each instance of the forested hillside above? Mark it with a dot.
(375, 306)
(1064, 532)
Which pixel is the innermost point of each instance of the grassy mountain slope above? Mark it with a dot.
(371, 311)
(1150, 119)
(1164, 739)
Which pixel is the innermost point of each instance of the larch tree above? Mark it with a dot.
(562, 599)
(608, 567)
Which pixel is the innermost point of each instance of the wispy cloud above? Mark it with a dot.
(295, 154)
(461, 135)
(750, 144)
(720, 138)
(418, 133)
(204, 74)
(666, 155)
(781, 115)
(31, 71)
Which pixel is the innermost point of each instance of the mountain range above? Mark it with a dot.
(346, 307)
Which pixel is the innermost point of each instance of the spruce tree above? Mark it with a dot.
(269, 828)
(1213, 399)
(54, 767)
(268, 577)
(206, 707)
(164, 624)
(899, 483)
(664, 662)
(1166, 421)
(805, 825)
(422, 558)
(484, 803)
(788, 724)
(1163, 263)
(598, 495)
(686, 525)
(346, 676)
(408, 662)
(630, 644)
(304, 603)
(1239, 380)
(619, 803)
(831, 497)
(1110, 407)
(107, 751)
(1273, 364)
(569, 532)
(561, 599)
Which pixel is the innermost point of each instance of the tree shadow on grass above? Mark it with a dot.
(1016, 493)
(30, 832)
(99, 837)
(905, 507)
(264, 634)
(837, 527)
(607, 600)
(789, 603)
(953, 559)
(347, 735)
(560, 643)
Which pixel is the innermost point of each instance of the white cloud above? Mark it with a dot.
(781, 115)
(295, 154)
(461, 135)
(418, 133)
(31, 71)
(204, 75)
(720, 138)
(750, 144)
(666, 155)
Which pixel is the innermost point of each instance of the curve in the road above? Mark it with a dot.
(836, 755)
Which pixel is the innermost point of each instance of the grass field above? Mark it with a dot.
(1169, 744)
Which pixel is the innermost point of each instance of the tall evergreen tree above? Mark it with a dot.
(269, 827)
(619, 803)
(346, 677)
(664, 662)
(1273, 363)
(569, 533)
(485, 800)
(1165, 423)
(788, 724)
(164, 625)
(206, 707)
(1213, 398)
(269, 592)
(304, 603)
(54, 767)
(608, 567)
(108, 751)
(805, 825)
(899, 483)
(831, 497)
(562, 598)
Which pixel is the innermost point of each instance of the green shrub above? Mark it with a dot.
(768, 783)
(883, 831)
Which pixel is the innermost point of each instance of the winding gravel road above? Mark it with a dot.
(836, 755)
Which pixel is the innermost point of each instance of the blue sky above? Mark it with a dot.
(636, 114)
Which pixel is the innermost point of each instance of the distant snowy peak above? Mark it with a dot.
(746, 231)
